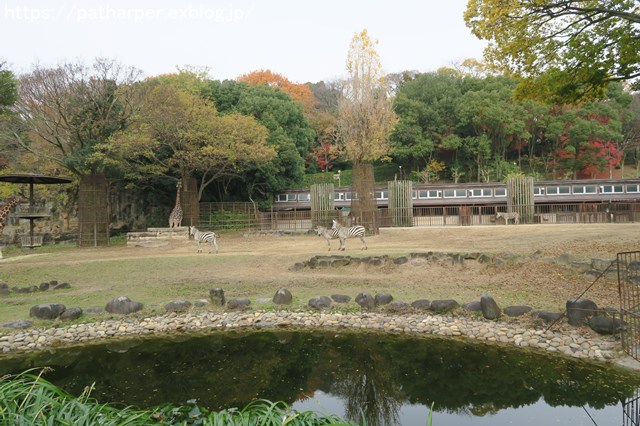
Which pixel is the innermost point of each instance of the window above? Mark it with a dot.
(558, 190)
(304, 197)
(347, 196)
(281, 198)
(291, 197)
(455, 193)
(611, 189)
(587, 189)
(538, 191)
(500, 192)
(382, 195)
(633, 188)
(480, 192)
(338, 196)
(429, 193)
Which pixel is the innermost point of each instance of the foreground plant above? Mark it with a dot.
(27, 399)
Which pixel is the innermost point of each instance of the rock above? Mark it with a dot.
(601, 265)
(238, 304)
(421, 304)
(46, 311)
(178, 306)
(547, 316)
(375, 261)
(122, 305)
(366, 301)
(4, 285)
(71, 314)
(201, 303)
(489, 307)
(341, 298)
(94, 310)
(473, 306)
(581, 266)
(18, 324)
(216, 295)
(606, 325)
(398, 307)
(443, 305)
(516, 311)
(564, 259)
(57, 286)
(44, 286)
(580, 310)
(320, 302)
(336, 263)
(4, 291)
(298, 266)
(383, 299)
(401, 260)
(282, 297)
(484, 259)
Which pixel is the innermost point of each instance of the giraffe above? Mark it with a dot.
(4, 210)
(175, 218)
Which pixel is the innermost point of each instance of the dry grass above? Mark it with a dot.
(255, 267)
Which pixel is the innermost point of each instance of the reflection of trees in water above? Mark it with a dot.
(371, 391)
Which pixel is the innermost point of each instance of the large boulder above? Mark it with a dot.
(516, 311)
(489, 307)
(122, 305)
(71, 314)
(444, 305)
(421, 304)
(606, 325)
(341, 298)
(547, 316)
(238, 304)
(216, 295)
(320, 302)
(178, 306)
(46, 311)
(383, 299)
(282, 297)
(474, 306)
(578, 311)
(366, 301)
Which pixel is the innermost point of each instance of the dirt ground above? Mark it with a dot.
(256, 266)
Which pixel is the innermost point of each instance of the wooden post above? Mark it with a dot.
(520, 197)
(322, 204)
(401, 202)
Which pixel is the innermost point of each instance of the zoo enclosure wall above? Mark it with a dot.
(244, 216)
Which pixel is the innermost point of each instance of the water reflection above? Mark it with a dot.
(373, 375)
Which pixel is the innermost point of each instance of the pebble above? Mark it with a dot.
(569, 342)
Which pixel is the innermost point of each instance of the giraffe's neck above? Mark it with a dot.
(5, 211)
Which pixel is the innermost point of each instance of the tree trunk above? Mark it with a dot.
(363, 203)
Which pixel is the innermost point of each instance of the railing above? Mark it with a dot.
(242, 216)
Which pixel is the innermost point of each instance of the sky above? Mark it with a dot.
(306, 41)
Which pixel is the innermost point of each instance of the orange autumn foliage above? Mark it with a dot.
(299, 92)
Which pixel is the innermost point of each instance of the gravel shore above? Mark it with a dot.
(571, 342)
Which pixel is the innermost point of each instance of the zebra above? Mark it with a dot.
(349, 232)
(515, 216)
(328, 234)
(209, 237)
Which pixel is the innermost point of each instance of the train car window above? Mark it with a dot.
(480, 192)
(281, 198)
(414, 194)
(633, 188)
(304, 197)
(538, 191)
(455, 193)
(291, 197)
(338, 196)
(347, 196)
(586, 189)
(500, 192)
(611, 189)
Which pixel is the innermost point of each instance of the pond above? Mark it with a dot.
(389, 379)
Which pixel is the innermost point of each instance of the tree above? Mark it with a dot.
(299, 92)
(365, 121)
(564, 50)
(180, 134)
(289, 134)
(70, 109)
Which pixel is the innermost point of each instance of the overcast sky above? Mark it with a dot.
(306, 41)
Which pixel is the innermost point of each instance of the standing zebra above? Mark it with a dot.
(328, 234)
(209, 237)
(350, 232)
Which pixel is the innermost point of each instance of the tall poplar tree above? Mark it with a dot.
(365, 122)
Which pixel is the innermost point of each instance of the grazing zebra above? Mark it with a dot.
(515, 216)
(204, 236)
(328, 234)
(349, 232)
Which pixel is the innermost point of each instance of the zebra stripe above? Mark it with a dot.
(350, 232)
(209, 237)
(328, 233)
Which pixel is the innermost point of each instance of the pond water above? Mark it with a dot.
(388, 379)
